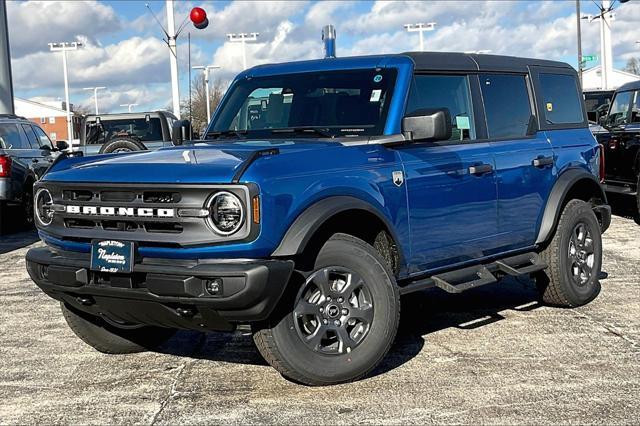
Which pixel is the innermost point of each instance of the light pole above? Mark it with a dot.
(579, 30)
(242, 38)
(64, 47)
(6, 85)
(130, 106)
(95, 95)
(420, 28)
(205, 71)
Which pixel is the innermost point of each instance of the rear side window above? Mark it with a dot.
(10, 137)
(33, 140)
(506, 104)
(560, 98)
(445, 91)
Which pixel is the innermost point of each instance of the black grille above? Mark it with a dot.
(158, 230)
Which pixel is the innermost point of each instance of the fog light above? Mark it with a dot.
(214, 286)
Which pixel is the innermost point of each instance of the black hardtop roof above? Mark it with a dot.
(632, 85)
(124, 115)
(450, 61)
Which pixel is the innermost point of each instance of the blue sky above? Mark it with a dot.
(125, 52)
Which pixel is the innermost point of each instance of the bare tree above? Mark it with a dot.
(199, 102)
(633, 66)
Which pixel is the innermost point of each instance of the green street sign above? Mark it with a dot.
(589, 58)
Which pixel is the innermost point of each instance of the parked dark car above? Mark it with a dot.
(621, 143)
(127, 132)
(26, 152)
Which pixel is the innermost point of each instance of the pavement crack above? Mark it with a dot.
(173, 392)
(611, 329)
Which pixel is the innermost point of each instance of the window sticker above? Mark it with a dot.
(375, 95)
(462, 123)
(549, 106)
(377, 78)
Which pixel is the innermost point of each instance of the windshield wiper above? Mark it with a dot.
(322, 131)
(240, 134)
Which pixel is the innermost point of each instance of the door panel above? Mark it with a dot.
(452, 213)
(524, 185)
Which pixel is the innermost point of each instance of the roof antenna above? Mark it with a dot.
(329, 40)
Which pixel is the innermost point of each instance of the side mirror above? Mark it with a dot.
(433, 124)
(180, 131)
(62, 145)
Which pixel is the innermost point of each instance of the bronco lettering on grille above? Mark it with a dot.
(120, 211)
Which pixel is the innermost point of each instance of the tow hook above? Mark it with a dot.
(185, 312)
(85, 301)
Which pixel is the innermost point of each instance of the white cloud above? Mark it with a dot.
(33, 24)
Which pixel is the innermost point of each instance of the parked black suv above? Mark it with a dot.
(139, 131)
(622, 142)
(26, 152)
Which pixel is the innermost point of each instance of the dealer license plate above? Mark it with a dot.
(112, 256)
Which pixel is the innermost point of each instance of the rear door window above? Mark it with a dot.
(33, 140)
(561, 99)
(10, 137)
(507, 105)
(445, 91)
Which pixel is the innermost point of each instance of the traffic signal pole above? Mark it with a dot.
(6, 85)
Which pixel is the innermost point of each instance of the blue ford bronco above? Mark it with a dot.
(322, 192)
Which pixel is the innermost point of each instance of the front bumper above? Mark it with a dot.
(164, 292)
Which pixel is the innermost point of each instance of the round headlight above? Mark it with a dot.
(44, 206)
(226, 213)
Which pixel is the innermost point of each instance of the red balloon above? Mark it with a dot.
(198, 15)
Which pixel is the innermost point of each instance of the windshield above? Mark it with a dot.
(619, 112)
(326, 104)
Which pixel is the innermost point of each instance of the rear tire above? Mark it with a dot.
(342, 321)
(574, 256)
(27, 206)
(122, 145)
(108, 339)
(637, 216)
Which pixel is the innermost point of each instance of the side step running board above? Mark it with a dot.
(460, 280)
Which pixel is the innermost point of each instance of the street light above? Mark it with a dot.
(242, 38)
(95, 95)
(64, 47)
(130, 106)
(205, 71)
(420, 28)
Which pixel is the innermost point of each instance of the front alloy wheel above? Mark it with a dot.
(341, 320)
(334, 311)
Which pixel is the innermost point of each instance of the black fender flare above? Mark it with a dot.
(310, 220)
(557, 197)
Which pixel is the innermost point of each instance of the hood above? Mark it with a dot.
(198, 163)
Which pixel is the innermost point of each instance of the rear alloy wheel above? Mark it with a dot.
(341, 321)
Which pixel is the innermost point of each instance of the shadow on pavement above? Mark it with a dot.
(624, 206)
(422, 314)
(17, 240)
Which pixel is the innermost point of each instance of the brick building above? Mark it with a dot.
(51, 116)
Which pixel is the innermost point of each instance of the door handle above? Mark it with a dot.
(480, 169)
(34, 160)
(542, 162)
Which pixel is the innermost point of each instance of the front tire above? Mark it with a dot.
(108, 339)
(342, 321)
(574, 256)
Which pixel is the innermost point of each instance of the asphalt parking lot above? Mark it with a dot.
(491, 355)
